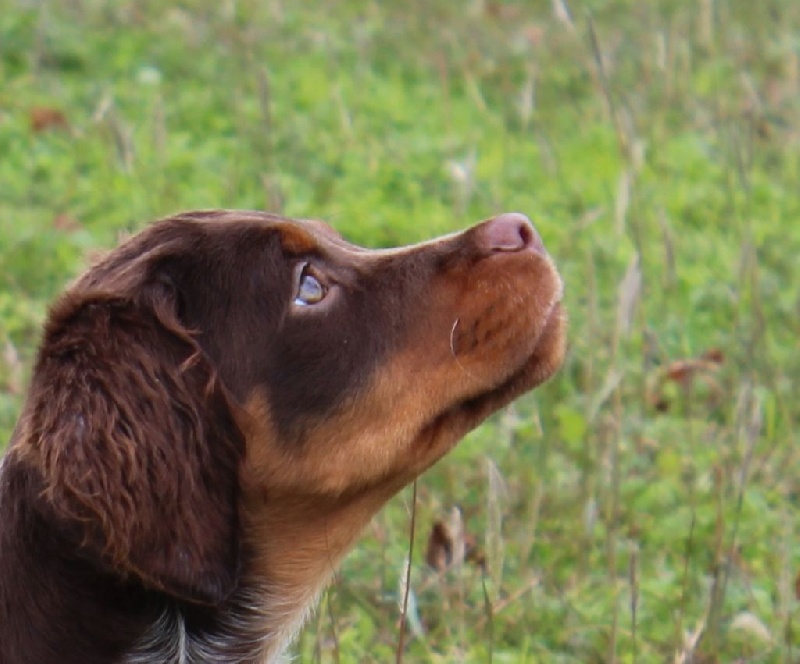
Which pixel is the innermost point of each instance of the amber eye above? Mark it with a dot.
(309, 290)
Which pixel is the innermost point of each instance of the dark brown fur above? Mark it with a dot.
(197, 452)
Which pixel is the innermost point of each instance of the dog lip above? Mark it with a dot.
(474, 402)
(553, 310)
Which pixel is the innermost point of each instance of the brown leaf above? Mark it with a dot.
(682, 371)
(439, 553)
(65, 222)
(660, 404)
(714, 355)
(43, 118)
(446, 542)
(501, 11)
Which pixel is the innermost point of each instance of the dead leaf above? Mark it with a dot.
(450, 544)
(682, 371)
(44, 118)
(439, 553)
(65, 222)
(715, 355)
(685, 372)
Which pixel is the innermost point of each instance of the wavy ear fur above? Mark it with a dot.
(136, 444)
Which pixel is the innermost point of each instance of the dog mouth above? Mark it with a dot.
(538, 366)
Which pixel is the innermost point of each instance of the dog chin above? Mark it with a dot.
(447, 429)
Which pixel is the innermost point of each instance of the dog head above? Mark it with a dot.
(222, 377)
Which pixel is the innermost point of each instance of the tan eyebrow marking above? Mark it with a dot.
(297, 240)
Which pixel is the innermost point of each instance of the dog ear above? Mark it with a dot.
(136, 442)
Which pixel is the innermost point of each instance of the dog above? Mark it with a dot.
(220, 405)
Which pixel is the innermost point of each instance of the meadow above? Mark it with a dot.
(643, 505)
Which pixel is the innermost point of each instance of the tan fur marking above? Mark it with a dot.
(296, 240)
(306, 506)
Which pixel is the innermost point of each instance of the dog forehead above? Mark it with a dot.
(236, 229)
(309, 236)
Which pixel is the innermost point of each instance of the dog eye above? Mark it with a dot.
(309, 290)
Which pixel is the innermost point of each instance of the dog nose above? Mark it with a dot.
(511, 231)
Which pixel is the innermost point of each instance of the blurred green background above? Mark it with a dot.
(641, 507)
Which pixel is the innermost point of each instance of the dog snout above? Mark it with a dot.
(509, 232)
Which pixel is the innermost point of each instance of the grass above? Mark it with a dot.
(642, 507)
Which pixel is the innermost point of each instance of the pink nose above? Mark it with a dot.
(510, 231)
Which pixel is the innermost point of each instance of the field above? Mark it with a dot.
(642, 506)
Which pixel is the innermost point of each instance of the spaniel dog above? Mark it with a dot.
(221, 404)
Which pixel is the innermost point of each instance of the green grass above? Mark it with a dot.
(623, 514)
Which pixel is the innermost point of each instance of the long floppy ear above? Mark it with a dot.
(136, 443)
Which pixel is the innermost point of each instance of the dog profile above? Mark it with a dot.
(221, 404)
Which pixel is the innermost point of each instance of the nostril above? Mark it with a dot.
(511, 231)
(526, 234)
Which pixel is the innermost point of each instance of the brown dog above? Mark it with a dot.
(221, 405)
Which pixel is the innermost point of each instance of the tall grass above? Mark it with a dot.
(639, 508)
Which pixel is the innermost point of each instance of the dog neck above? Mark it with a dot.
(295, 547)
